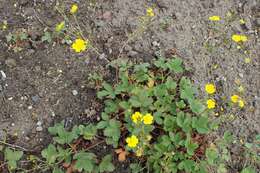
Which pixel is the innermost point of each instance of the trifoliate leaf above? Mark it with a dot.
(12, 156)
(106, 165)
(50, 154)
(85, 161)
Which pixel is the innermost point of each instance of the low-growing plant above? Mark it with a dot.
(153, 111)
(68, 151)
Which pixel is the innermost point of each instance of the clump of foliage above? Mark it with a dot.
(152, 114)
(154, 109)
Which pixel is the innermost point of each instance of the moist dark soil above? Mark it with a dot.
(48, 82)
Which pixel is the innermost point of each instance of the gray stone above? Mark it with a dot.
(29, 12)
(257, 22)
(10, 62)
(39, 129)
(35, 98)
(132, 54)
(3, 75)
(74, 92)
(39, 123)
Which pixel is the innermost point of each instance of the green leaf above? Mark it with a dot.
(184, 121)
(57, 170)
(85, 161)
(221, 168)
(88, 131)
(63, 136)
(170, 83)
(50, 154)
(196, 106)
(102, 125)
(191, 147)
(175, 65)
(46, 37)
(161, 63)
(60, 27)
(181, 104)
(64, 155)
(23, 36)
(187, 165)
(12, 156)
(158, 118)
(108, 91)
(176, 138)
(9, 37)
(187, 90)
(113, 131)
(200, 124)
(160, 90)
(111, 106)
(212, 155)
(106, 165)
(248, 170)
(169, 123)
(135, 168)
(228, 137)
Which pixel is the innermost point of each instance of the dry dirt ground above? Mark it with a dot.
(46, 83)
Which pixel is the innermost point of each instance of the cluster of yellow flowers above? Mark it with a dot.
(210, 89)
(237, 99)
(137, 117)
(235, 37)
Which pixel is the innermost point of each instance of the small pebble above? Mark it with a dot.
(75, 92)
(12, 124)
(39, 129)
(30, 107)
(39, 123)
(155, 44)
(3, 74)
(35, 98)
(52, 114)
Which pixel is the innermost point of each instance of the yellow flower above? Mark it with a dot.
(136, 117)
(243, 38)
(247, 60)
(148, 119)
(211, 103)
(214, 18)
(149, 12)
(79, 45)
(132, 141)
(241, 89)
(150, 83)
(241, 103)
(239, 38)
(60, 26)
(210, 88)
(242, 21)
(235, 98)
(74, 9)
(139, 152)
(148, 137)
